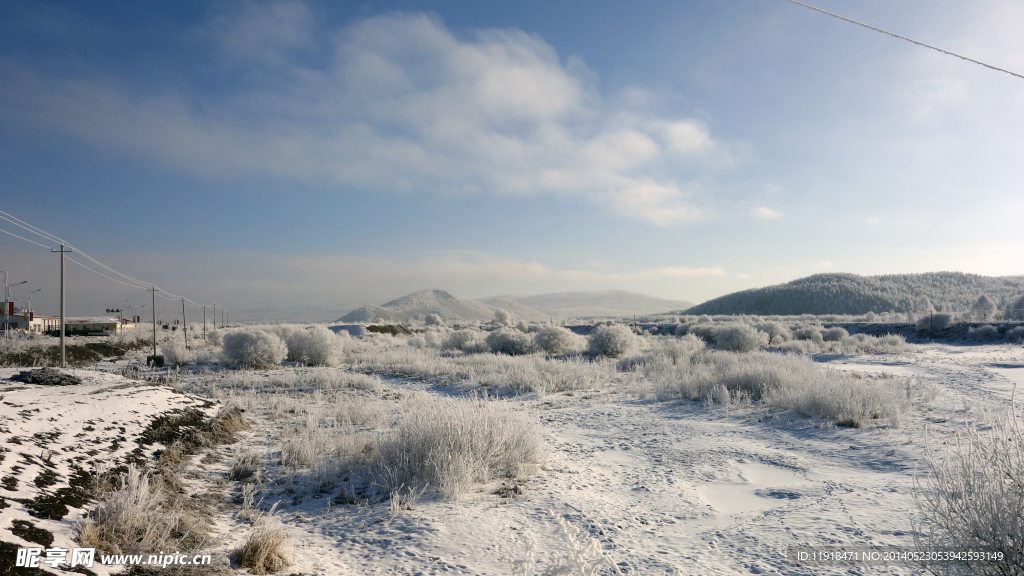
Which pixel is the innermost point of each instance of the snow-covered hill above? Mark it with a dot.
(853, 294)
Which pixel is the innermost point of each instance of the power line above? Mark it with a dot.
(852, 21)
(131, 281)
(26, 239)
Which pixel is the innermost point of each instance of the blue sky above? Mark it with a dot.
(325, 155)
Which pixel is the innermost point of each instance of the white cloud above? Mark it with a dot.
(398, 103)
(765, 213)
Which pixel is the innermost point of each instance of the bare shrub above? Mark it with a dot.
(254, 349)
(511, 342)
(558, 340)
(974, 497)
(613, 341)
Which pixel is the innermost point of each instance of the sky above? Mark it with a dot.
(310, 157)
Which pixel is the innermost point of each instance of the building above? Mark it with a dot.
(93, 325)
(29, 322)
(76, 325)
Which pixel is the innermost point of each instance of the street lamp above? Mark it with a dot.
(7, 299)
(136, 308)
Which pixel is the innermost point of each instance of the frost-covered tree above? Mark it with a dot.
(433, 320)
(502, 317)
(984, 308)
(1015, 311)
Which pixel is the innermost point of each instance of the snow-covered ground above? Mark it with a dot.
(660, 487)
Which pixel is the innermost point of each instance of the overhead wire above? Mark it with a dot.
(25, 239)
(127, 280)
(912, 41)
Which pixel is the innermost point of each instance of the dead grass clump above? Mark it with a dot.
(226, 423)
(267, 548)
(131, 520)
(245, 467)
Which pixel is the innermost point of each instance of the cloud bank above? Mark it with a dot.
(394, 103)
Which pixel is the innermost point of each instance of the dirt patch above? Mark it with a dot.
(392, 329)
(46, 377)
(28, 531)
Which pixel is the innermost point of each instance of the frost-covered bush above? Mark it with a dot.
(433, 320)
(681, 329)
(557, 340)
(316, 346)
(254, 348)
(1014, 335)
(468, 341)
(784, 381)
(417, 342)
(176, 354)
(935, 322)
(740, 338)
(834, 334)
(511, 342)
(812, 333)
(777, 332)
(215, 338)
(613, 341)
(522, 327)
(974, 498)
(985, 333)
(450, 444)
(502, 317)
(856, 344)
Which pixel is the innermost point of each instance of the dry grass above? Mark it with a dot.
(267, 548)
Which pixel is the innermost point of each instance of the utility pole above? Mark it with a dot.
(184, 320)
(204, 321)
(63, 250)
(154, 291)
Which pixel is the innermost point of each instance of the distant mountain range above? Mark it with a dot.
(853, 294)
(586, 304)
(417, 305)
